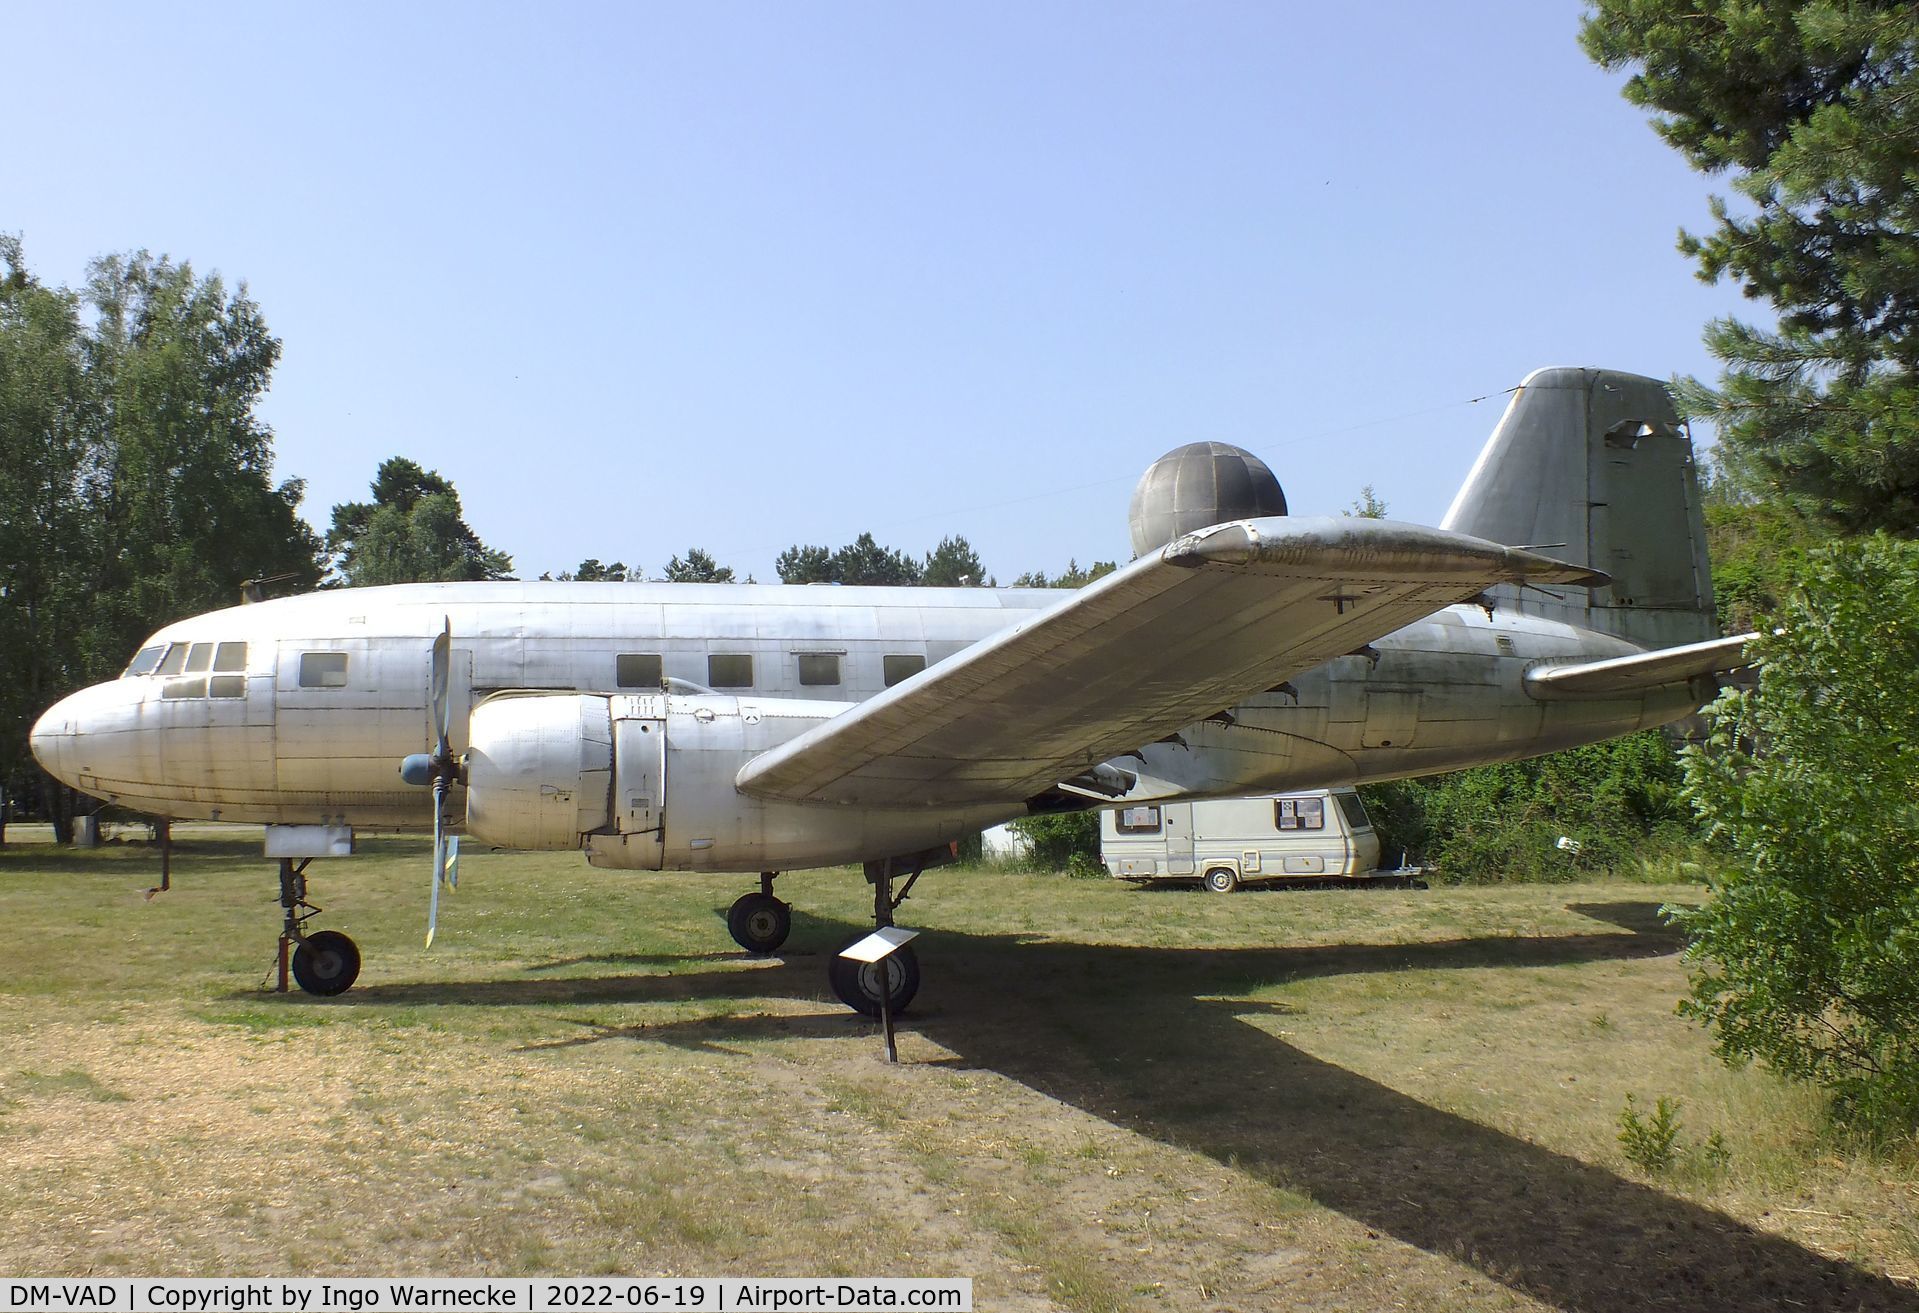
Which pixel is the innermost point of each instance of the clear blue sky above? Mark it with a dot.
(645, 277)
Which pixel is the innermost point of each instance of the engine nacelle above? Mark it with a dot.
(539, 769)
(645, 782)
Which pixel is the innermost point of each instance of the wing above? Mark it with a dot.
(1641, 670)
(1174, 637)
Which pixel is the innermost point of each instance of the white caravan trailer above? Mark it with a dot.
(1226, 842)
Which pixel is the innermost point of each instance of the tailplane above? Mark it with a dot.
(1595, 467)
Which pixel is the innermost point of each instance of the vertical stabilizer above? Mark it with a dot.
(1595, 467)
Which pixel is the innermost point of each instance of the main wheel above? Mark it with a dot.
(326, 963)
(858, 983)
(1222, 880)
(759, 923)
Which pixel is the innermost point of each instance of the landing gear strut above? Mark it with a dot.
(759, 922)
(859, 985)
(325, 962)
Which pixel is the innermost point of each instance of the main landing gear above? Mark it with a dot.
(325, 962)
(759, 922)
(859, 984)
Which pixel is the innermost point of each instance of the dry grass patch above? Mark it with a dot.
(1113, 1099)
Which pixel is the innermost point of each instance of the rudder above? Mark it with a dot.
(1595, 467)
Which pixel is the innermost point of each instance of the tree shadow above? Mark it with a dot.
(1142, 1038)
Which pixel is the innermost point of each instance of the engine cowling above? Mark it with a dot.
(569, 770)
(539, 769)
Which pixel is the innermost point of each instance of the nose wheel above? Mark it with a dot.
(325, 962)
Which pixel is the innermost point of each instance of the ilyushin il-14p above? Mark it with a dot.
(1565, 599)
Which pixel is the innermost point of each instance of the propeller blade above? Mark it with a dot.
(439, 857)
(441, 697)
(453, 861)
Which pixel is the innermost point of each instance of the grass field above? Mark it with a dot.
(1110, 1098)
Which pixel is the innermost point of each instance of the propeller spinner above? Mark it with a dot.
(440, 769)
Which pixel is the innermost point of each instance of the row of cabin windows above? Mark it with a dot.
(636, 669)
(735, 669)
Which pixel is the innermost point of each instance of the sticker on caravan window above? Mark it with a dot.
(1139, 820)
(1299, 813)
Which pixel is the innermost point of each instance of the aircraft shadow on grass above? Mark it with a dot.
(1140, 1038)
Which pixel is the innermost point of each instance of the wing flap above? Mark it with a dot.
(1641, 670)
(1170, 639)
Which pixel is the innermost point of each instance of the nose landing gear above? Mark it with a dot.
(325, 962)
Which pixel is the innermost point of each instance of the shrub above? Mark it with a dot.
(1807, 955)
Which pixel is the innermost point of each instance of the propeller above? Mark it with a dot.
(439, 769)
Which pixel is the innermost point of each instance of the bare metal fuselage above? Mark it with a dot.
(1441, 694)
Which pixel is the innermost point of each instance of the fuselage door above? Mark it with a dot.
(639, 768)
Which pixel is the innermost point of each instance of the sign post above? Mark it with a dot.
(877, 950)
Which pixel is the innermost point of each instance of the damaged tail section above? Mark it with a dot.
(1595, 467)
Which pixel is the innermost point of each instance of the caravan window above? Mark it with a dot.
(1138, 820)
(1356, 817)
(1299, 813)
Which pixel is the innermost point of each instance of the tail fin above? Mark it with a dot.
(1595, 467)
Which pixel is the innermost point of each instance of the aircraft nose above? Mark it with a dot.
(52, 739)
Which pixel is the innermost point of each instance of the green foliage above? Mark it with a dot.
(1367, 507)
(1758, 551)
(697, 568)
(1812, 108)
(1650, 1143)
(1072, 577)
(1062, 841)
(135, 476)
(1503, 822)
(592, 570)
(413, 531)
(1807, 956)
(862, 561)
(952, 564)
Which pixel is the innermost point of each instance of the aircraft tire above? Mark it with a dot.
(326, 963)
(1221, 880)
(858, 983)
(759, 923)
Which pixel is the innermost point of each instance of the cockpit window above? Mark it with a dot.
(322, 670)
(173, 661)
(230, 657)
(199, 657)
(192, 687)
(144, 661)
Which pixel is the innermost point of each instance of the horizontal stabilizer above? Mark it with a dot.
(1641, 670)
(1201, 624)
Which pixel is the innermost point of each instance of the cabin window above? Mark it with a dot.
(1356, 817)
(172, 662)
(1299, 813)
(144, 661)
(193, 686)
(819, 668)
(732, 670)
(322, 670)
(1138, 820)
(199, 657)
(638, 670)
(229, 657)
(899, 668)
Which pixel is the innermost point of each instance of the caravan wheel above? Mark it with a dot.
(1222, 880)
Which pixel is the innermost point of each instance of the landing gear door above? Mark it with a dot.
(639, 768)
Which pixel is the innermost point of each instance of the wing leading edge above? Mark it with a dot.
(1206, 621)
